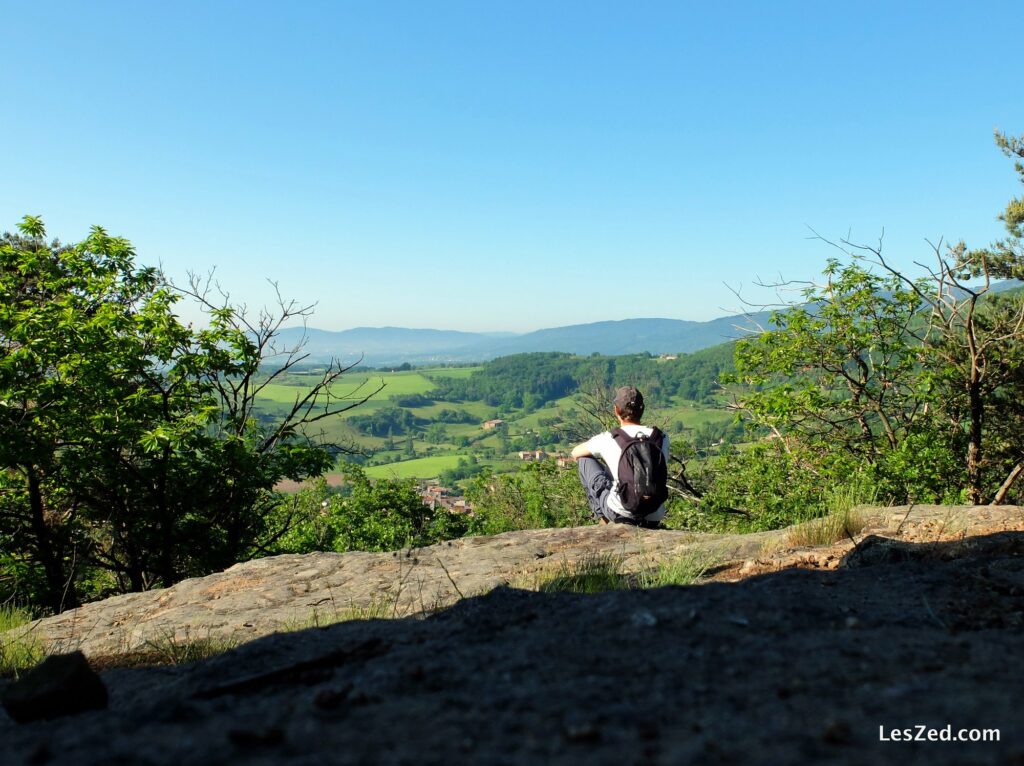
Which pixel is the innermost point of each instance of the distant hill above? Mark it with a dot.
(382, 344)
(394, 345)
(632, 336)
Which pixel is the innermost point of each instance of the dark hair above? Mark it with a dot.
(630, 403)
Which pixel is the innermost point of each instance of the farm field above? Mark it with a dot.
(417, 468)
(356, 385)
(433, 436)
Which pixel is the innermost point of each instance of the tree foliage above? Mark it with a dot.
(379, 515)
(910, 383)
(131, 454)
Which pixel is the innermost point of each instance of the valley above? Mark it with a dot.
(450, 423)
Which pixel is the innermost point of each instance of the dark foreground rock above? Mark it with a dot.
(62, 684)
(794, 666)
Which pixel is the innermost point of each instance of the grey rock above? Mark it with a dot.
(519, 677)
(283, 593)
(63, 684)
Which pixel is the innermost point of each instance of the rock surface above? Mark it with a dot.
(265, 596)
(801, 659)
(62, 684)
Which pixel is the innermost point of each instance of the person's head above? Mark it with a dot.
(629, 404)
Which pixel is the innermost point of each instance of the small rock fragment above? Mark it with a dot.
(582, 731)
(643, 618)
(62, 684)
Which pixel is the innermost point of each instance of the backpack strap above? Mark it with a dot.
(621, 437)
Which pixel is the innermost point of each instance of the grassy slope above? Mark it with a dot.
(446, 455)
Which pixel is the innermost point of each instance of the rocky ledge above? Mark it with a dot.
(830, 654)
(284, 593)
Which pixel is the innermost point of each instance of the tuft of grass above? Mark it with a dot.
(18, 652)
(168, 650)
(681, 570)
(591, 574)
(843, 519)
(826, 530)
(383, 608)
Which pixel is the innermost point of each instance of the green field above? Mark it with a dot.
(418, 468)
(494, 449)
(357, 385)
(451, 372)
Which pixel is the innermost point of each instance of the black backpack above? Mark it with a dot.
(643, 474)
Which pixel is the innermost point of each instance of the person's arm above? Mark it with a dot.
(587, 449)
(581, 450)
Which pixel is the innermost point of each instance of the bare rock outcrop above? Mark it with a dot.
(911, 629)
(281, 593)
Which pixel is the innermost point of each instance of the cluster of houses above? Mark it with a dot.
(435, 496)
(538, 455)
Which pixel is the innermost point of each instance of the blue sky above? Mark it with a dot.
(507, 166)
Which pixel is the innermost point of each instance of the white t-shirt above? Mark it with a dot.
(605, 447)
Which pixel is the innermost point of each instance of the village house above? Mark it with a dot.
(564, 461)
(490, 424)
(435, 496)
(534, 455)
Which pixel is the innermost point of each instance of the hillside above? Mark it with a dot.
(789, 655)
(395, 345)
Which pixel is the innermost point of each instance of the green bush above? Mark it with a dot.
(537, 496)
(378, 515)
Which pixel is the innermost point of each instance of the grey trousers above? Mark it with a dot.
(597, 482)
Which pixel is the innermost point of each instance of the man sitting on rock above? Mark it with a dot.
(630, 486)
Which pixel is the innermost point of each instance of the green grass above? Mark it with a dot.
(600, 573)
(450, 372)
(597, 573)
(690, 415)
(168, 650)
(681, 570)
(382, 608)
(418, 468)
(356, 385)
(843, 521)
(17, 653)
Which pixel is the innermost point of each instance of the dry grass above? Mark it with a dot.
(593, 573)
(839, 525)
(169, 650)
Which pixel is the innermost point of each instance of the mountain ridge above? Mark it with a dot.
(395, 345)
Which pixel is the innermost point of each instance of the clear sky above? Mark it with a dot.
(507, 165)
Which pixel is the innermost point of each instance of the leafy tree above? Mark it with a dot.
(973, 340)
(378, 515)
(841, 371)
(436, 433)
(539, 495)
(914, 383)
(130, 445)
